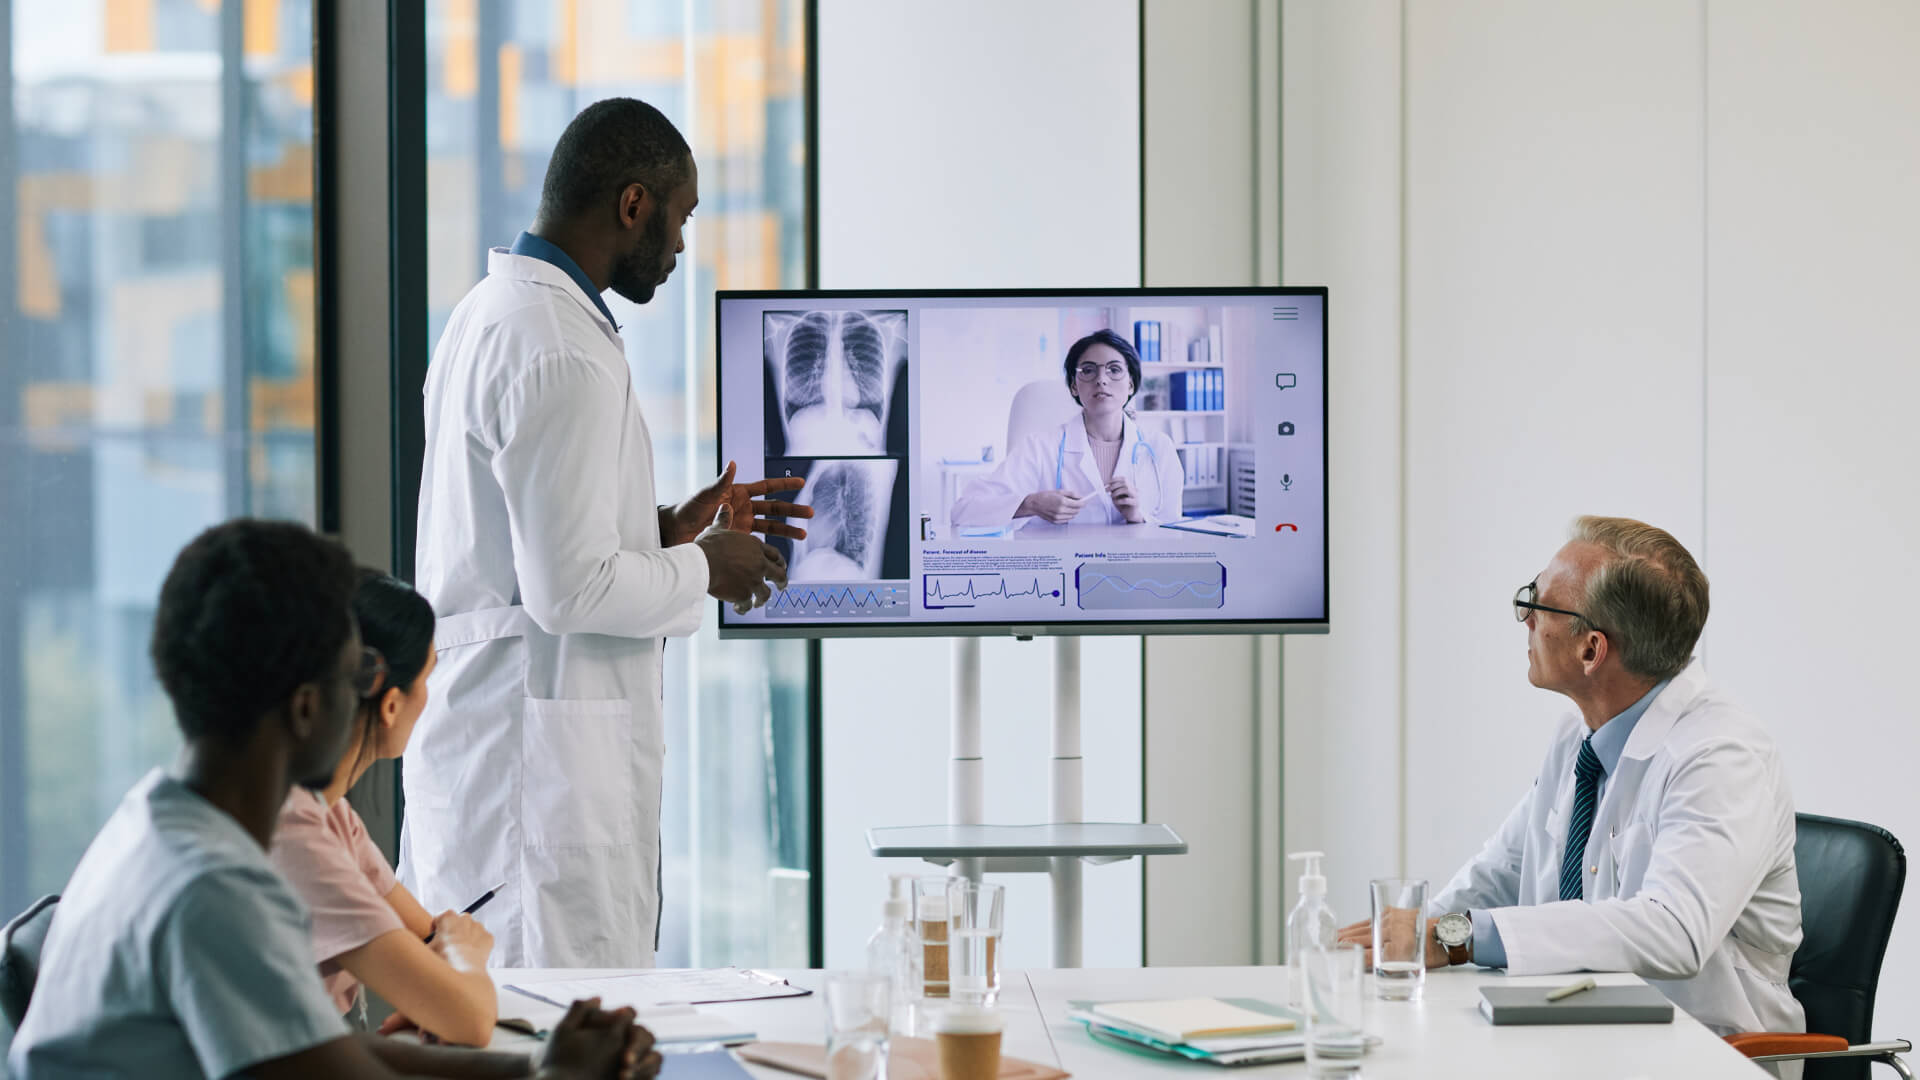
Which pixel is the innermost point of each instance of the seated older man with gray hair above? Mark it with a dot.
(1658, 836)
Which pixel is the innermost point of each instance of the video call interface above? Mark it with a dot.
(1012, 460)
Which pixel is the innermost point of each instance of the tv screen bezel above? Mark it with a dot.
(1031, 629)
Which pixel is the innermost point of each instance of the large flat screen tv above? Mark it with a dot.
(1022, 462)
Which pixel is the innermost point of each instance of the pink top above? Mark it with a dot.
(336, 869)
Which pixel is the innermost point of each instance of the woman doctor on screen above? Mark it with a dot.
(1098, 468)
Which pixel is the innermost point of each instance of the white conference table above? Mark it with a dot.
(1442, 1035)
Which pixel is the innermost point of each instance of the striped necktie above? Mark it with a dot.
(1586, 789)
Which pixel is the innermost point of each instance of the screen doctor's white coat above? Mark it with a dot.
(1061, 459)
(538, 758)
(1690, 877)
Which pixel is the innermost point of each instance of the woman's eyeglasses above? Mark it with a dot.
(1089, 372)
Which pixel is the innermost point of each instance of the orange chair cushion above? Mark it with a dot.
(1762, 1043)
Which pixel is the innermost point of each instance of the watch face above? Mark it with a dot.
(1453, 929)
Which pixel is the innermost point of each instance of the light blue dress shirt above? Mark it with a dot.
(539, 247)
(1608, 743)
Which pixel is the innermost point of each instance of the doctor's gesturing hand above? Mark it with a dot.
(1125, 499)
(740, 565)
(679, 524)
(1056, 507)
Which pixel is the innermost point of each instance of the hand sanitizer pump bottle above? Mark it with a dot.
(894, 951)
(1311, 925)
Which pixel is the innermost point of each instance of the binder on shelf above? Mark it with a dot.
(1146, 340)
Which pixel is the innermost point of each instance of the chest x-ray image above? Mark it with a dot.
(859, 526)
(835, 382)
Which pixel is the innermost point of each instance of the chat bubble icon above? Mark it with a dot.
(1286, 380)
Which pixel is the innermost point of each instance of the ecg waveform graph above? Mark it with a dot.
(994, 592)
(1150, 586)
(856, 600)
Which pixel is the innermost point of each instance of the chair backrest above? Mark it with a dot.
(1038, 407)
(1851, 874)
(20, 943)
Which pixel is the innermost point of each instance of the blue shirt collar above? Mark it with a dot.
(538, 247)
(1611, 740)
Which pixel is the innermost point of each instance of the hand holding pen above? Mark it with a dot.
(449, 916)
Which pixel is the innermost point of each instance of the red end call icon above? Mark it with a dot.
(1286, 526)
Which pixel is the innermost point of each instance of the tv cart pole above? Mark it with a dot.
(1056, 848)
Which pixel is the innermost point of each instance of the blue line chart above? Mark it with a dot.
(1150, 586)
(993, 591)
(863, 600)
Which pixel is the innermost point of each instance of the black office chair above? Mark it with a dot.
(1851, 874)
(20, 944)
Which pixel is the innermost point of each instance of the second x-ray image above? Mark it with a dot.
(835, 382)
(859, 526)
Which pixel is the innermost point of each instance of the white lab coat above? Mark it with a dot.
(538, 758)
(1690, 878)
(1061, 459)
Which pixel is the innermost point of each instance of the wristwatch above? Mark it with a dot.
(1453, 931)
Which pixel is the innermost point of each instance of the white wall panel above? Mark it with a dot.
(1201, 143)
(1553, 364)
(1341, 228)
(1813, 367)
(988, 144)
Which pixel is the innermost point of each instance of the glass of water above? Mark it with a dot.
(1336, 1008)
(974, 913)
(857, 1005)
(1399, 938)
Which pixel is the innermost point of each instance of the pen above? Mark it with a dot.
(1570, 989)
(473, 907)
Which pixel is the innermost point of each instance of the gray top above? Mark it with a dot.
(176, 951)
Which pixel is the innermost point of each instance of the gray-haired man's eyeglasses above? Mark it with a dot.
(1523, 604)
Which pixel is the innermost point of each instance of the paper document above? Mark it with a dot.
(667, 986)
(1235, 525)
(669, 1023)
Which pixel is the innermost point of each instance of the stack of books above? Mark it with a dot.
(1220, 1031)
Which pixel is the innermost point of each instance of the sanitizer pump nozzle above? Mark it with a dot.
(1311, 925)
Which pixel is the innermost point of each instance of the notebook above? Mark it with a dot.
(1183, 1020)
(1639, 1004)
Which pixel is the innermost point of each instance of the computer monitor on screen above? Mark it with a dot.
(1070, 462)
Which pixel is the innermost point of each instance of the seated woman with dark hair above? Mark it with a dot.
(367, 928)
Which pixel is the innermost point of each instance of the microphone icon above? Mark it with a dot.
(1286, 482)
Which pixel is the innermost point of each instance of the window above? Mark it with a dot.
(504, 77)
(156, 366)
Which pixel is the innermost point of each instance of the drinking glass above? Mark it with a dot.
(857, 1007)
(1399, 938)
(974, 913)
(1336, 1009)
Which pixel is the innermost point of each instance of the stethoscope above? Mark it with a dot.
(1139, 444)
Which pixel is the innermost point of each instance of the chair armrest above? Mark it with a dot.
(1768, 1043)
